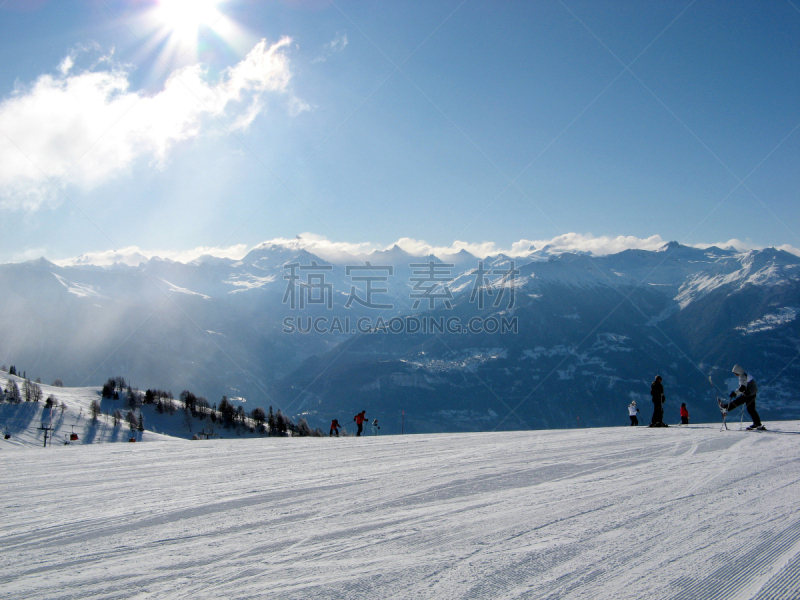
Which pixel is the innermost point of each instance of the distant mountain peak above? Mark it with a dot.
(669, 246)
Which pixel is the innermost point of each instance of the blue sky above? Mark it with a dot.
(365, 123)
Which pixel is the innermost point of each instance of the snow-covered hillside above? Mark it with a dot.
(72, 414)
(684, 512)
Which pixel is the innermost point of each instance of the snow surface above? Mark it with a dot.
(683, 512)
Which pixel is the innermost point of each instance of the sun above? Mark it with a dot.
(185, 19)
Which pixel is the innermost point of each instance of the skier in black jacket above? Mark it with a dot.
(745, 394)
(657, 392)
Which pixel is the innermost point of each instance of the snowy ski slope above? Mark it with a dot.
(23, 421)
(684, 512)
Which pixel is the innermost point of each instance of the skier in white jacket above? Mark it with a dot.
(633, 411)
(745, 394)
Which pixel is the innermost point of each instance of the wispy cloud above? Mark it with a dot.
(49, 125)
(333, 251)
(336, 45)
(133, 255)
(569, 242)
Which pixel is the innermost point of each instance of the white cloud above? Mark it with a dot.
(568, 242)
(337, 44)
(66, 65)
(343, 252)
(788, 248)
(323, 247)
(599, 246)
(90, 127)
(133, 255)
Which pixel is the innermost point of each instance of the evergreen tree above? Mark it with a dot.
(226, 412)
(281, 423)
(259, 416)
(95, 409)
(108, 388)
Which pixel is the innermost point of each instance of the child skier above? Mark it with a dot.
(375, 427)
(633, 412)
(334, 428)
(684, 414)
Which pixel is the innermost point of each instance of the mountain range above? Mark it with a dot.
(423, 343)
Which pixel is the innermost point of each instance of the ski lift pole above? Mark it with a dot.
(47, 429)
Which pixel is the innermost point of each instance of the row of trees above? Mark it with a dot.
(13, 370)
(226, 414)
(133, 421)
(31, 392)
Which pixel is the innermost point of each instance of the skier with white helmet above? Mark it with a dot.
(633, 412)
(745, 394)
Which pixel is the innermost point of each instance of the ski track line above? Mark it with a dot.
(731, 581)
(585, 578)
(785, 584)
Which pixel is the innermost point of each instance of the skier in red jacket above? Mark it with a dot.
(334, 428)
(359, 419)
(684, 414)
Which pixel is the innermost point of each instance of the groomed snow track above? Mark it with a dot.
(622, 513)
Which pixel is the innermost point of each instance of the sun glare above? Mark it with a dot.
(185, 19)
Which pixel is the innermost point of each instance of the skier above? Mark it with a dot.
(359, 419)
(684, 414)
(745, 394)
(657, 392)
(375, 427)
(633, 412)
(334, 428)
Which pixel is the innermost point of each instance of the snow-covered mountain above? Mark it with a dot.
(586, 334)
